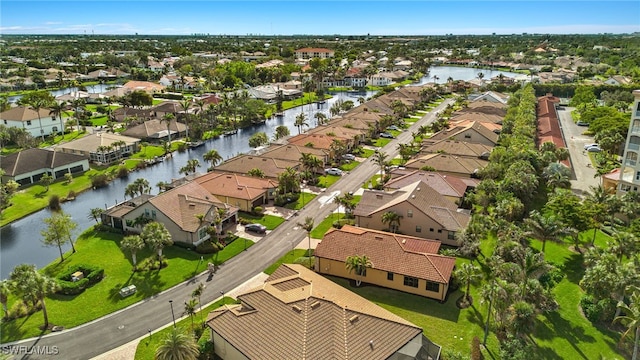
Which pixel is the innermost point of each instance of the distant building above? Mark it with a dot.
(308, 53)
(35, 123)
(103, 148)
(28, 166)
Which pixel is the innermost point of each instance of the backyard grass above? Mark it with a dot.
(381, 142)
(303, 200)
(102, 249)
(270, 221)
(99, 120)
(147, 347)
(148, 152)
(305, 100)
(349, 166)
(325, 181)
(288, 258)
(63, 138)
(371, 183)
(319, 231)
(366, 153)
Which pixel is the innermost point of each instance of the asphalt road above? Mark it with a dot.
(111, 331)
(583, 171)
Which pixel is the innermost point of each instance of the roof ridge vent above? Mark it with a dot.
(315, 304)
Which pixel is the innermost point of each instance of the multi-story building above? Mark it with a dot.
(308, 53)
(630, 168)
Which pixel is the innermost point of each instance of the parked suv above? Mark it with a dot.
(258, 228)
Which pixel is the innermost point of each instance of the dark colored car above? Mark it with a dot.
(258, 228)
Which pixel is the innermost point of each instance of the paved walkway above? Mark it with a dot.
(128, 350)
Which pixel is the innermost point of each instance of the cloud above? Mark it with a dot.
(21, 29)
(53, 22)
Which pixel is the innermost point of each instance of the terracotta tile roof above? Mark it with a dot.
(448, 163)
(337, 131)
(422, 197)
(184, 202)
(486, 107)
(23, 113)
(469, 121)
(446, 185)
(319, 141)
(30, 160)
(154, 128)
(318, 50)
(235, 185)
(454, 147)
(476, 116)
(400, 254)
(294, 152)
(173, 107)
(549, 124)
(143, 85)
(352, 121)
(286, 319)
(455, 130)
(244, 163)
(363, 113)
(91, 142)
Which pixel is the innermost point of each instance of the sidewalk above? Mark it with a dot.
(128, 350)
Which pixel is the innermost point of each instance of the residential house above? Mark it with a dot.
(456, 148)
(630, 166)
(474, 131)
(320, 141)
(381, 79)
(302, 315)
(491, 96)
(243, 192)
(356, 136)
(270, 64)
(485, 107)
(270, 92)
(453, 188)
(147, 86)
(461, 166)
(187, 211)
(243, 164)
(35, 123)
(295, 153)
(117, 92)
(400, 262)
(157, 131)
(167, 107)
(28, 166)
(154, 65)
(402, 65)
(618, 80)
(424, 212)
(102, 148)
(308, 53)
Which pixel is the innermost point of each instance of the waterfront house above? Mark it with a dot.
(102, 148)
(243, 192)
(302, 315)
(156, 131)
(461, 166)
(146, 86)
(35, 123)
(295, 152)
(243, 164)
(400, 262)
(423, 212)
(28, 166)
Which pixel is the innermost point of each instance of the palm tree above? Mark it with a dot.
(467, 274)
(545, 227)
(36, 101)
(321, 118)
(624, 243)
(197, 293)
(95, 214)
(156, 236)
(380, 158)
(186, 104)
(307, 226)
(359, 265)
(177, 346)
(33, 287)
(78, 106)
(213, 157)
(255, 172)
(4, 295)
(301, 120)
(393, 219)
(631, 317)
(190, 309)
(190, 167)
(132, 244)
(57, 109)
(168, 118)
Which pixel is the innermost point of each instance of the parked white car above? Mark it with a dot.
(590, 145)
(333, 171)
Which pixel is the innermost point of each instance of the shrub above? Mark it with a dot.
(208, 247)
(184, 245)
(244, 221)
(54, 203)
(182, 147)
(284, 199)
(206, 349)
(122, 171)
(151, 264)
(20, 309)
(595, 311)
(141, 165)
(71, 195)
(258, 210)
(99, 181)
(92, 275)
(338, 224)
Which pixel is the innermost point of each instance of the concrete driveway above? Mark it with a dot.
(584, 173)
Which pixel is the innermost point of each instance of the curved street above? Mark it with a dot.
(111, 331)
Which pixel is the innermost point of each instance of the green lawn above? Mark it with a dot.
(147, 347)
(366, 153)
(102, 249)
(288, 258)
(305, 100)
(319, 231)
(373, 182)
(349, 166)
(303, 200)
(99, 120)
(63, 138)
(381, 142)
(325, 181)
(149, 152)
(270, 221)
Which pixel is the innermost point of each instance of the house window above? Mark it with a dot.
(451, 235)
(431, 229)
(5, 122)
(153, 214)
(431, 286)
(202, 233)
(418, 228)
(439, 231)
(467, 136)
(28, 122)
(146, 212)
(409, 213)
(390, 276)
(410, 281)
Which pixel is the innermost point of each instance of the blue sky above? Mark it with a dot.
(317, 17)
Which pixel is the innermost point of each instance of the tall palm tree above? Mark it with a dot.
(467, 274)
(156, 236)
(177, 346)
(321, 118)
(5, 289)
(190, 308)
(393, 219)
(213, 157)
(197, 293)
(168, 118)
(37, 101)
(359, 265)
(78, 106)
(307, 226)
(57, 109)
(132, 244)
(301, 120)
(631, 317)
(545, 227)
(380, 158)
(190, 167)
(186, 104)
(33, 287)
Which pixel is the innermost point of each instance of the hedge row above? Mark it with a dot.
(92, 275)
